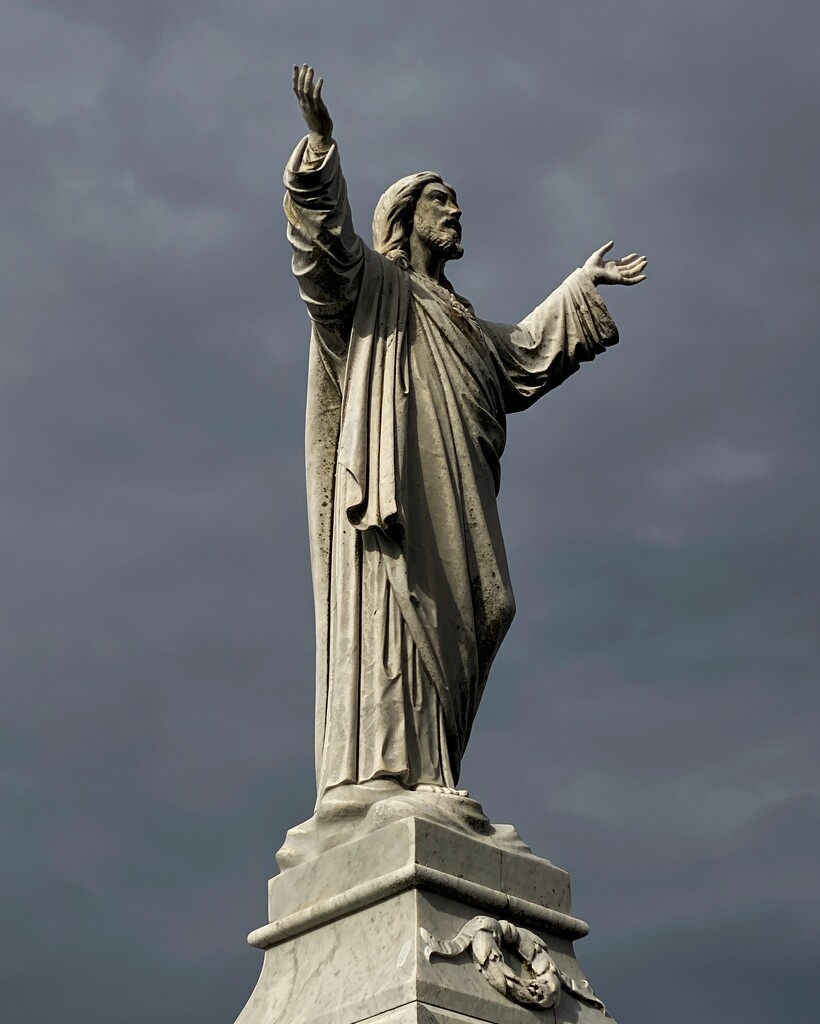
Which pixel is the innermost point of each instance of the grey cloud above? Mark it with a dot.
(651, 722)
(137, 25)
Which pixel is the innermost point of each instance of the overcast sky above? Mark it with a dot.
(651, 723)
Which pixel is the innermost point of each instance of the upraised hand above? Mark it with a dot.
(313, 106)
(628, 270)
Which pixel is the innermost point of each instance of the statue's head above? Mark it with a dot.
(423, 204)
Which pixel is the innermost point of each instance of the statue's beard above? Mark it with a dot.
(446, 240)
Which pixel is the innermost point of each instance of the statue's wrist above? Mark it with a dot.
(319, 144)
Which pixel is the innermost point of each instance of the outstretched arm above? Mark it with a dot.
(570, 327)
(328, 255)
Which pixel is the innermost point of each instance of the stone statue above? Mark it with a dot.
(407, 400)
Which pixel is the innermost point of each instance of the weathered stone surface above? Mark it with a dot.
(398, 900)
(414, 848)
(408, 394)
(345, 941)
(425, 1013)
(351, 812)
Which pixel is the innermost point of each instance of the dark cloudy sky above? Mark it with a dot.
(652, 722)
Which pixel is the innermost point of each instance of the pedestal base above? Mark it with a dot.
(348, 939)
(424, 1013)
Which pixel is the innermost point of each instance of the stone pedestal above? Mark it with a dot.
(349, 938)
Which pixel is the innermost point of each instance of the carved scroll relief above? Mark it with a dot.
(541, 982)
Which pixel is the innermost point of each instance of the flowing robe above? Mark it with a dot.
(407, 397)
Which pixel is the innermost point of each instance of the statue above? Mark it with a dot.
(407, 399)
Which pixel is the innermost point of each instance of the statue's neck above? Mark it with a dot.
(426, 261)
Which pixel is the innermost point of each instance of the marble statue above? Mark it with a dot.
(408, 395)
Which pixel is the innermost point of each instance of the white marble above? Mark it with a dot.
(408, 394)
(405, 842)
(399, 901)
(335, 957)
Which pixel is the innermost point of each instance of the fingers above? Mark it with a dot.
(630, 265)
(632, 273)
(600, 253)
(309, 96)
(308, 93)
(303, 82)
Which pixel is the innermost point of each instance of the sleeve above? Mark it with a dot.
(328, 255)
(570, 327)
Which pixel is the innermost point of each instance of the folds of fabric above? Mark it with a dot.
(407, 398)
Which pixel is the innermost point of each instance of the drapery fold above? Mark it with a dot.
(408, 394)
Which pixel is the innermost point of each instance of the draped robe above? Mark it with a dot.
(408, 393)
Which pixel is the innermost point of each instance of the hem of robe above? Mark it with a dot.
(353, 811)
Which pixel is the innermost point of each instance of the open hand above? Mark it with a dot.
(627, 270)
(313, 106)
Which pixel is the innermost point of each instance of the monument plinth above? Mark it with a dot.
(362, 932)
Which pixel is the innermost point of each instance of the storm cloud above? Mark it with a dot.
(651, 723)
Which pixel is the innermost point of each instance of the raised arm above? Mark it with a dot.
(328, 255)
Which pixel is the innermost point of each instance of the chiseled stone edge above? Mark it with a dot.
(417, 1012)
(416, 876)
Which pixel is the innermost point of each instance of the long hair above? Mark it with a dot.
(393, 219)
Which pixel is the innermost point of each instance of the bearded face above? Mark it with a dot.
(437, 221)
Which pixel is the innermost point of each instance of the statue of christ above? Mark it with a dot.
(408, 396)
